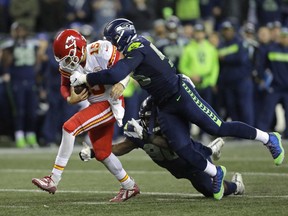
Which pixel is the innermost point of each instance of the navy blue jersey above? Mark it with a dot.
(153, 71)
(168, 159)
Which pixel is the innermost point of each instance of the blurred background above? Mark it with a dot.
(236, 53)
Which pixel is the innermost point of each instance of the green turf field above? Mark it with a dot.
(86, 187)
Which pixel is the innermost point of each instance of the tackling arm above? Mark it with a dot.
(119, 149)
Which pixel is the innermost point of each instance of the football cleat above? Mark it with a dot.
(46, 183)
(125, 194)
(275, 147)
(237, 179)
(217, 183)
(21, 142)
(216, 146)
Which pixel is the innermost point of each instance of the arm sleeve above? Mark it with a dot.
(118, 72)
(65, 87)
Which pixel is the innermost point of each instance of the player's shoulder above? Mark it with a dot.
(99, 47)
(139, 43)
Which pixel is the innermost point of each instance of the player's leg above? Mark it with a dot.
(177, 132)
(82, 121)
(199, 112)
(203, 184)
(101, 139)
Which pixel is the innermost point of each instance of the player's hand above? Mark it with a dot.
(117, 91)
(85, 153)
(77, 78)
(133, 129)
(76, 98)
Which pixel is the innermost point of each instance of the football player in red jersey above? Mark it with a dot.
(106, 107)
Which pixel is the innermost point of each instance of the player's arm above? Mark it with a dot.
(118, 72)
(119, 149)
(67, 91)
(159, 141)
(123, 148)
(109, 76)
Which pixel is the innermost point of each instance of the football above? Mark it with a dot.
(78, 89)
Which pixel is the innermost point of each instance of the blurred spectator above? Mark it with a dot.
(25, 11)
(52, 16)
(235, 79)
(262, 74)
(172, 46)
(275, 30)
(235, 11)
(78, 11)
(188, 31)
(277, 60)
(159, 30)
(142, 14)
(164, 8)
(20, 58)
(262, 12)
(214, 39)
(187, 11)
(5, 20)
(6, 102)
(103, 11)
(250, 43)
(199, 61)
(210, 10)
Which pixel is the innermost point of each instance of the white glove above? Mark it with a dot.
(77, 78)
(85, 153)
(133, 129)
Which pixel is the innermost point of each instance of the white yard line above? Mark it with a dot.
(156, 172)
(142, 193)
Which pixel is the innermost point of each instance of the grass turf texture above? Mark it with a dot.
(86, 187)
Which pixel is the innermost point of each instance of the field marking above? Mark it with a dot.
(161, 172)
(142, 193)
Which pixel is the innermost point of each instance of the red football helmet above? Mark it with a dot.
(69, 48)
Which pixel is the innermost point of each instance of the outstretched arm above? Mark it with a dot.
(109, 76)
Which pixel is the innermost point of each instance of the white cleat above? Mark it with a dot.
(216, 146)
(238, 180)
(46, 183)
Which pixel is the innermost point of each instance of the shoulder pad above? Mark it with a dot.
(134, 45)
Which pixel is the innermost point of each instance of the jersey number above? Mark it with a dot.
(161, 55)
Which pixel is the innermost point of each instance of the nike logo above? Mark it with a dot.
(178, 98)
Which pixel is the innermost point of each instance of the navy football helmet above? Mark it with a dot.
(145, 115)
(120, 32)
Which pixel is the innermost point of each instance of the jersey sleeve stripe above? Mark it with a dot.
(114, 57)
(65, 73)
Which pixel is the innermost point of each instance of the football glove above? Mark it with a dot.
(77, 78)
(133, 129)
(85, 153)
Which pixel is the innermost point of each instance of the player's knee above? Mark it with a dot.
(70, 126)
(101, 155)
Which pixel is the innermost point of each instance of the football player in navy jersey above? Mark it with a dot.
(155, 145)
(178, 102)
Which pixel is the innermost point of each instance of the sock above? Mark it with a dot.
(230, 188)
(262, 136)
(19, 134)
(114, 165)
(210, 169)
(64, 153)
